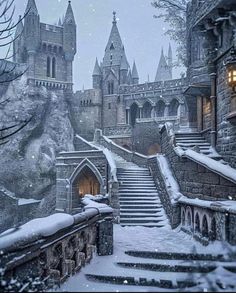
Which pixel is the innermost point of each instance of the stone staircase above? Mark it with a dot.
(195, 139)
(139, 201)
(165, 270)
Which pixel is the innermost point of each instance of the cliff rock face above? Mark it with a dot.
(28, 160)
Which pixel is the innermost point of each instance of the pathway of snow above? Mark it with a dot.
(139, 238)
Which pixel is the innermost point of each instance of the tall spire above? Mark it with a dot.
(59, 22)
(114, 48)
(163, 72)
(97, 69)
(31, 7)
(69, 17)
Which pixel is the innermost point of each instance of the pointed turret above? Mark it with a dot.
(32, 27)
(18, 41)
(135, 76)
(31, 7)
(97, 76)
(163, 72)
(69, 17)
(59, 22)
(19, 27)
(129, 79)
(124, 67)
(97, 69)
(114, 48)
(69, 34)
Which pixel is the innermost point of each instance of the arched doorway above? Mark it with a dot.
(147, 110)
(134, 114)
(173, 109)
(160, 109)
(87, 183)
(154, 149)
(204, 227)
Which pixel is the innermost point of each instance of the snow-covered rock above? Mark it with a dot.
(28, 160)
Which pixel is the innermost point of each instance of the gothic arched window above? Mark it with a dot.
(53, 67)
(48, 67)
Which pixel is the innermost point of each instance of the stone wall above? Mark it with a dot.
(226, 131)
(49, 262)
(146, 138)
(67, 166)
(194, 179)
(172, 209)
(85, 112)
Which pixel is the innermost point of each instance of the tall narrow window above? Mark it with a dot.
(53, 67)
(112, 87)
(48, 67)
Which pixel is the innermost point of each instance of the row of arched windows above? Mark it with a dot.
(51, 67)
(203, 227)
(52, 49)
(85, 103)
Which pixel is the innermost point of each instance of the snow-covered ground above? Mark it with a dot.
(144, 239)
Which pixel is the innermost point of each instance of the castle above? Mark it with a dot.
(48, 50)
(117, 100)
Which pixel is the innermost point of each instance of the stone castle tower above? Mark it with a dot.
(115, 69)
(48, 50)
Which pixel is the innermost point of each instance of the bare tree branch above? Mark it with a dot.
(174, 12)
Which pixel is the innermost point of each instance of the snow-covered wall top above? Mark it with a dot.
(44, 227)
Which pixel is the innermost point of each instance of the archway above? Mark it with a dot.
(189, 219)
(197, 223)
(160, 109)
(173, 109)
(213, 230)
(134, 114)
(183, 218)
(86, 183)
(147, 110)
(205, 227)
(154, 149)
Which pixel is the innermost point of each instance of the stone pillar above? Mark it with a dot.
(166, 112)
(140, 112)
(213, 110)
(199, 114)
(128, 116)
(105, 237)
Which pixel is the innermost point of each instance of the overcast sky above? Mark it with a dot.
(142, 35)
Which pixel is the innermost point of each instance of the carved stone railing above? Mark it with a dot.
(152, 86)
(45, 252)
(158, 119)
(118, 130)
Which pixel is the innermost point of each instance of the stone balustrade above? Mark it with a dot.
(47, 256)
